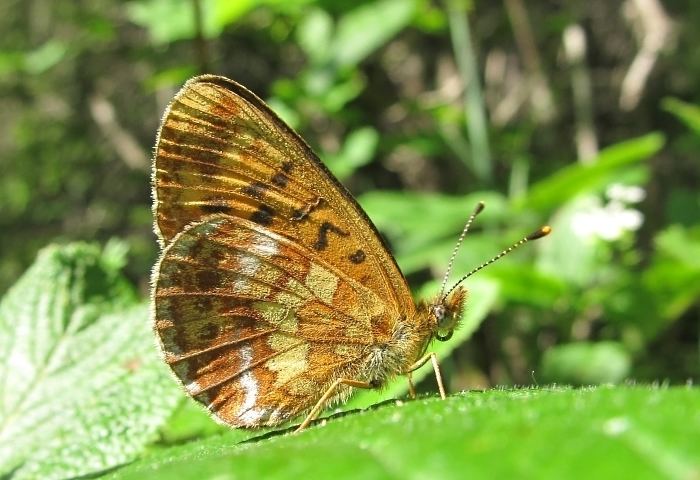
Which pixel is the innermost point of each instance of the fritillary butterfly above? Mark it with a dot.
(274, 294)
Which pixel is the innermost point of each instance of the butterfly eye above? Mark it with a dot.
(439, 313)
(445, 322)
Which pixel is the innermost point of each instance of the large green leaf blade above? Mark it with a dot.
(609, 166)
(687, 113)
(639, 432)
(82, 387)
(364, 29)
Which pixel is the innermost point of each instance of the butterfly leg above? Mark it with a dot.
(436, 367)
(329, 393)
(411, 387)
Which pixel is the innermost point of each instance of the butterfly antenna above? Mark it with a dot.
(539, 233)
(479, 207)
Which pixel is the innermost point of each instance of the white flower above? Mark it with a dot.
(610, 221)
(625, 193)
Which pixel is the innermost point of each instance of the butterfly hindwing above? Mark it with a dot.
(259, 325)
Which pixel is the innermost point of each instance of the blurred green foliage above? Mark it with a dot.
(384, 91)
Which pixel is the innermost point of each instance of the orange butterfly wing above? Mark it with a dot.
(273, 282)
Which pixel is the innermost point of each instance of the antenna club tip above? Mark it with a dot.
(479, 207)
(541, 232)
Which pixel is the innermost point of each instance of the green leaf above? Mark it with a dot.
(665, 290)
(423, 228)
(314, 35)
(527, 285)
(337, 93)
(358, 150)
(687, 113)
(680, 244)
(673, 278)
(216, 15)
(82, 388)
(226, 12)
(170, 77)
(43, 58)
(366, 28)
(180, 24)
(149, 14)
(11, 62)
(413, 220)
(33, 62)
(575, 179)
(552, 433)
(190, 421)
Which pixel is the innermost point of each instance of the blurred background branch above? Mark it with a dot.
(124, 144)
(540, 94)
(654, 32)
(575, 52)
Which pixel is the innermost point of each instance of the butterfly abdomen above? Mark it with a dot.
(391, 357)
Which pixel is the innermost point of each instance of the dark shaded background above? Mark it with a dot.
(580, 114)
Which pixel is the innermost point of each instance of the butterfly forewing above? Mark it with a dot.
(222, 150)
(272, 282)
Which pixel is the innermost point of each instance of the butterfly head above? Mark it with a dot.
(445, 313)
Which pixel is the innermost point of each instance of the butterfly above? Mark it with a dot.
(274, 294)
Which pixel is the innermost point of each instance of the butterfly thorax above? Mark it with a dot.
(411, 336)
